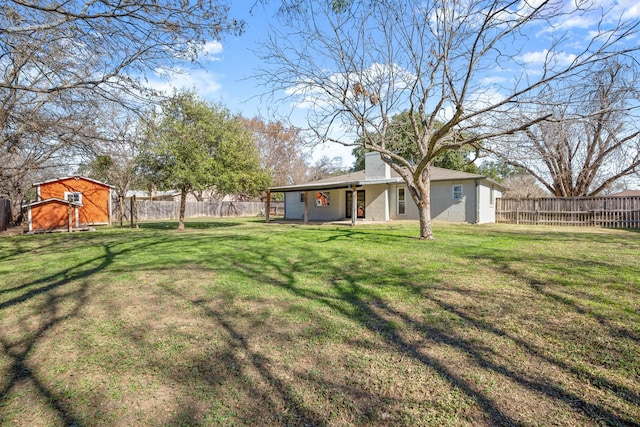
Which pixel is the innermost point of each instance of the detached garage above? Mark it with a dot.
(69, 202)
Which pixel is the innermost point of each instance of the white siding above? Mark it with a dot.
(376, 202)
(443, 206)
(294, 208)
(487, 209)
(381, 203)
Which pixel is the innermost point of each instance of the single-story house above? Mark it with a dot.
(69, 202)
(379, 194)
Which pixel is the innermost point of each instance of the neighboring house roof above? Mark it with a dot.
(626, 193)
(358, 179)
(52, 200)
(147, 194)
(35, 184)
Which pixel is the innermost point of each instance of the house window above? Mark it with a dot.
(492, 197)
(301, 197)
(457, 192)
(402, 201)
(73, 197)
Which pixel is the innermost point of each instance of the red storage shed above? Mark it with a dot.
(84, 200)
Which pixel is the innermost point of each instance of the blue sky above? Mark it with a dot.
(226, 67)
(227, 71)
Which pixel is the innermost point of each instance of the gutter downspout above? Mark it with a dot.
(477, 202)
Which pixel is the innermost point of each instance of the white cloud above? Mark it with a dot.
(537, 60)
(201, 81)
(631, 9)
(535, 57)
(379, 79)
(484, 98)
(526, 7)
(600, 15)
(212, 49)
(490, 80)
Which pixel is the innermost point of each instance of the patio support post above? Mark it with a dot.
(306, 207)
(268, 207)
(354, 205)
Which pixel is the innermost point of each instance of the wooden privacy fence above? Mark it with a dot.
(155, 210)
(611, 212)
(5, 213)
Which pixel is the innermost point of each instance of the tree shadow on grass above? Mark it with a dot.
(351, 298)
(347, 296)
(188, 225)
(351, 289)
(295, 412)
(64, 294)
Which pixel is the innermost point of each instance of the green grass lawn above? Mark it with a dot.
(245, 323)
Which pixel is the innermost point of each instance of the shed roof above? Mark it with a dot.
(52, 200)
(35, 184)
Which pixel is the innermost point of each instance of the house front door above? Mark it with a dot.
(360, 204)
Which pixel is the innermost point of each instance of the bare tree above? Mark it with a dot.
(40, 134)
(522, 186)
(60, 60)
(592, 140)
(324, 167)
(115, 161)
(463, 70)
(49, 46)
(281, 151)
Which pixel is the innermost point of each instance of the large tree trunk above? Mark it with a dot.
(424, 209)
(183, 205)
(16, 208)
(422, 197)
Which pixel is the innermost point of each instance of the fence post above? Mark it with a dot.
(132, 209)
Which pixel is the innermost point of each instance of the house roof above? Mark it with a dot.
(626, 193)
(147, 194)
(359, 179)
(53, 200)
(35, 184)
